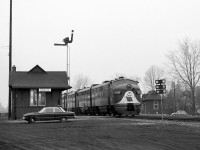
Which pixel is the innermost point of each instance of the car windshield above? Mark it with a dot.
(62, 109)
(42, 110)
(181, 112)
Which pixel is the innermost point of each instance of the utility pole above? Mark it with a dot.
(161, 95)
(66, 42)
(161, 89)
(10, 38)
(10, 61)
(174, 97)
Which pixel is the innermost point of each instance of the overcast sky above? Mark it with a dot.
(110, 36)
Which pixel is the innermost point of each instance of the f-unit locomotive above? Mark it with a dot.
(118, 97)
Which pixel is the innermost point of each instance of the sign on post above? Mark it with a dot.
(161, 89)
(160, 86)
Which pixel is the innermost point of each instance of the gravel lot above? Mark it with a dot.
(96, 132)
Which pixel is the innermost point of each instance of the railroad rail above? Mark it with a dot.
(167, 117)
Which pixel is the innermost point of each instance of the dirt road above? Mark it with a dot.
(108, 133)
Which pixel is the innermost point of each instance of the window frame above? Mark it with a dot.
(36, 98)
(50, 108)
(33, 97)
(55, 110)
(155, 105)
(40, 98)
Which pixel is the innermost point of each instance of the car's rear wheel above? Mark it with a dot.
(31, 120)
(63, 120)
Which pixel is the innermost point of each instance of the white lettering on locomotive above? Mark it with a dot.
(129, 97)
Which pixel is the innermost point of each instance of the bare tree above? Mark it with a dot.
(81, 81)
(151, 75)
(185, 65)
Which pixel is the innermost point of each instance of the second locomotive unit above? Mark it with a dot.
(118, 97)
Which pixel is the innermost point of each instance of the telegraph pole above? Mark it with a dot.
(66, 42)
(10, 61)
(10, 38)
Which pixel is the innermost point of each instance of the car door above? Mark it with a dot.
(47, 114)
(57, 114)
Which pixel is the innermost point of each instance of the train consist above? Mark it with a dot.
(118, 97)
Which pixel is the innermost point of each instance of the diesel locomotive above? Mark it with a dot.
(121, 96)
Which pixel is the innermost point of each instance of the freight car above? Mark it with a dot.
(118, 97)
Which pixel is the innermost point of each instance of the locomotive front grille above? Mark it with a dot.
(129, 99)
(130, 107)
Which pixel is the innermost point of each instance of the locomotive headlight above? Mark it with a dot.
(129, 86)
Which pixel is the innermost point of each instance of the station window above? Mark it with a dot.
(155, 105)
(37, 98)
(33, 97)
(42, 99)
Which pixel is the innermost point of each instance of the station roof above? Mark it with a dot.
(38, 78)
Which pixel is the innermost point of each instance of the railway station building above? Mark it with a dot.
(151, 103)
(35, 89)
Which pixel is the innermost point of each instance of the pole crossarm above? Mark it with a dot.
(59, 44)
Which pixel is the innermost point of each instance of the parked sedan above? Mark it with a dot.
(49, 113)
(180, 113)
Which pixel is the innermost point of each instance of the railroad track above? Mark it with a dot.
(165, 117)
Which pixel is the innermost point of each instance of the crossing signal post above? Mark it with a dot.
(161, 89)
(160, 86)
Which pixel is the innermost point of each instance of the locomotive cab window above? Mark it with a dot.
(117, 92)
(138, 92)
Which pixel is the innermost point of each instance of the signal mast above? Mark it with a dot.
(66, 42)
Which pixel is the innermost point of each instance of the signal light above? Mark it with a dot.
(160, 86)
(161, 91)
(163, 81)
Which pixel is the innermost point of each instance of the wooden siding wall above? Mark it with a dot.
(150, 107)
(21, 104)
